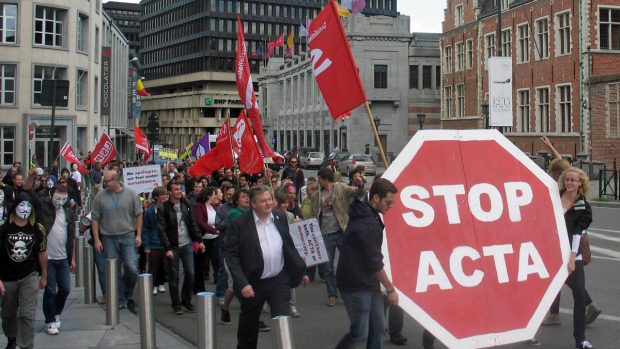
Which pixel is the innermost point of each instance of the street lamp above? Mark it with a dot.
(377, 122)
(421, 118)
(485, 112)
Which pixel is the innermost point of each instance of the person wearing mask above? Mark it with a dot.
(294, 173)
(72, 186)
(178, 234)
(23, 257)
(206, 210)
(157, 263)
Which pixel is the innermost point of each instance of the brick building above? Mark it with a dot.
(548, 43)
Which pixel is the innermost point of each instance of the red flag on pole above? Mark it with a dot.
(250, 158)
(333, 64)
(246, 90)
(279, 42)
(104, 151)
(69, 155)
(207, 164)
(224, 153)
(142, 142)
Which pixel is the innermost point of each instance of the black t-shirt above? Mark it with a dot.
(19, 250)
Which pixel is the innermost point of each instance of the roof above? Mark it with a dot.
(117, 5)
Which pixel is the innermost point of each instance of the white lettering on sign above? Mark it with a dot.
(518, 194)
(430, 271)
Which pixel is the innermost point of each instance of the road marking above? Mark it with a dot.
(607, 258)
(605, 251)
(604, 230)
(603, 237)
(602, 316)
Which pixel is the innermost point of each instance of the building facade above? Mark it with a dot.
(548, 46)
(58, 39)
(126, 16)
(188, 56)
(386, 54)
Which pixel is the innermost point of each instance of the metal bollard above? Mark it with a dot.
(79, 261)
(111, 293)
(147, 317)
(282, 332)
(206, 321)
(90, 291)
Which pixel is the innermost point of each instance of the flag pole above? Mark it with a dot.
(232, 149)
(376, 133)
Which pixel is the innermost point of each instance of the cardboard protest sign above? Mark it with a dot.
(142, 179)
(309, 241)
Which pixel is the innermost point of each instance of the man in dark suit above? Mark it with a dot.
(263, 262)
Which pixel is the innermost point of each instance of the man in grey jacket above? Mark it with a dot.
(117, 231)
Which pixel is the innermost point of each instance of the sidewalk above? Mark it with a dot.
(83, 326)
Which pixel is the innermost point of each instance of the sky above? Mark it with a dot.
(426, 15)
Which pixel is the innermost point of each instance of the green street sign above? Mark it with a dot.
(208, 101)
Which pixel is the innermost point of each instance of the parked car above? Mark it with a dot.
(277, 163)
(352, 161)
(336, 156)
(312, 160)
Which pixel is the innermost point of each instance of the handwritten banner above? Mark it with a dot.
(168, 154)
(309, 241)
(142, 179)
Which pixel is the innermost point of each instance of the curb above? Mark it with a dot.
(605, 204)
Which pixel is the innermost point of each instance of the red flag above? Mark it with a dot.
(246, 90)
(250, 158)
(69, 155)
(104, 151)
(206, 164)
(279, 42)
(142, 143)
(333, 64)
(224, 153)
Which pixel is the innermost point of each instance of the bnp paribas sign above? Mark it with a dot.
(500, 91)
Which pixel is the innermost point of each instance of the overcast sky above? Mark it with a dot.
(426, 15)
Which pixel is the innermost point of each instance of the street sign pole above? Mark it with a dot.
(50, 150)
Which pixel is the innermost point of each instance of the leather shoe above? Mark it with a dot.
(398, 339)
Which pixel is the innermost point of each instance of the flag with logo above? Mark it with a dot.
(333, 63)
(278, 42)
(104, 151)
(224, 152)
(206, 164)
(250, 158)
(142, 142)
(246, 90)
(69, 155)
(201, 147)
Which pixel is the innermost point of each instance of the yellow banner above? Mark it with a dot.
(168, 154)
(187, 152)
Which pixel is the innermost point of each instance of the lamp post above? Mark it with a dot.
(485, 112)
(421, 118)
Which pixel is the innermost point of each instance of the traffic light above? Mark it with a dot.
(152, 127)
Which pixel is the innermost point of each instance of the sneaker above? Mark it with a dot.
(294, 312)
(12, 343)
(551, 320)
(188, 305)
(592, 312)
(585, 345)
(161, 289)
(331, 301)
(177, 310)
(101, 300)
(57, 321)
(265, 308)
(533, 342)
(154, 291)
(132, 307)
(122, 304)
(51, 329)
(263, 327)
(225, 317)
(398, 339)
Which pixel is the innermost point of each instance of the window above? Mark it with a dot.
(48, 26)
(460, 57)
(507, 43)
(523, 118)
(504, 4)
(469, 60)
(7, 145)
(7, 84)
(613, 105)
(381, 80)
(542, 107)
(82, 33)
(447, 101)
(460, 100)
(8, 23)
(42, 72)
(609, 29)
(437, 77)
(489, 45)
(96, 95)
(427, 78)
(564, 108)
(542, 38)
(563, 37)
(96, 44)
(81, 89)
(458, 16)
(413, 77)
(447, 56)
(523, 54)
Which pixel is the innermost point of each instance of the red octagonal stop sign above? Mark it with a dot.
(476, 242)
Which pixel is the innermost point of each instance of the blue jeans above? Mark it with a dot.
(222, 276)
(185, 254)
(100, 266)
(57, 289)
(326, 270)
(123, 247)
(365, 311)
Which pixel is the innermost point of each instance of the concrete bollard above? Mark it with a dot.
(147, 317)
(206, 320)
(79, 261)
(90, 291)
(111, 293)
(282, 332)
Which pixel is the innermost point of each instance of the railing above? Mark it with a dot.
(608, 182)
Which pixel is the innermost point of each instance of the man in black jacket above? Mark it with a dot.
(360, 268)
(178, 232)
(294, 173)
(263, 262)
